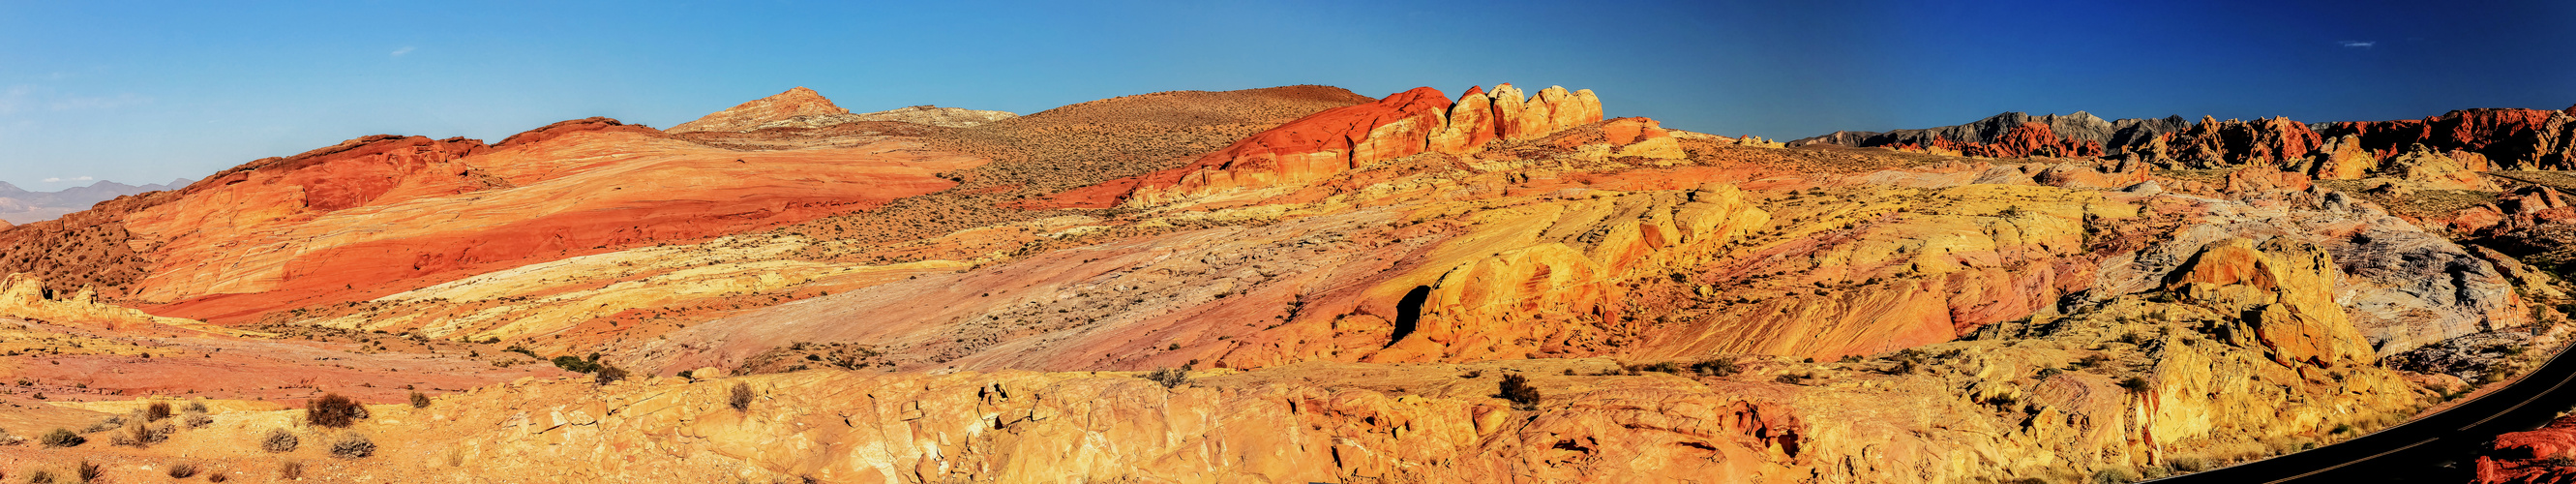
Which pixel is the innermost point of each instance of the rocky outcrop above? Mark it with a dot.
(2288, 286)
(1402, 124)
(25, 297)
(561, 128)
(775, 108)
(2032, 139)
(2211, 143)
(2519, 139)
(921, 115)
(2076, 128)
(2535, 456)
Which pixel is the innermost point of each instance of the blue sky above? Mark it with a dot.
(145, 92)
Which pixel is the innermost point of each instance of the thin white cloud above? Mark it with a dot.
(405, 50)
(75, 103)
(83, 178)
(54, 180)
(2362, 44)
(13, 97)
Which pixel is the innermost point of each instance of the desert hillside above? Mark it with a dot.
(1290, 284)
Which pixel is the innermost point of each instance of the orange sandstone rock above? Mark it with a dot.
(778, 107)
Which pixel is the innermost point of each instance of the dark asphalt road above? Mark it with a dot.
(2441, 448)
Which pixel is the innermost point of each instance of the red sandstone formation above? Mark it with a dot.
(2522, 139)
(1319, 146)
(795, 102)
(2033, 139)
(2531, 457)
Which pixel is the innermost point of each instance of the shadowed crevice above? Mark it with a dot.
(1408, 313)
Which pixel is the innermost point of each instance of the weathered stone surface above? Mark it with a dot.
(752, 115)
(921, 115)
(1402, 124)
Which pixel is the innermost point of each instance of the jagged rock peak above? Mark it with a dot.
(747, 116)
(2080, 126)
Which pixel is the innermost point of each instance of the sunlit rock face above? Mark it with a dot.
(1336, 286)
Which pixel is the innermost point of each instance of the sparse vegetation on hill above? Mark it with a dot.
(279, 441)
(739, 397)
(1517, 389)
(334, 411)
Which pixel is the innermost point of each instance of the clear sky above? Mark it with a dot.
(144, 92)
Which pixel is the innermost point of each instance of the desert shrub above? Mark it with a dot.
(1169, 377)
(62, 438)
(353, 446)
(2092, 360)
(111, 423)
(2044, 373)
(575, 363)
(1517, 389)
(419, 400)
(183, 470)
(1790, 378)
(291, 470)
(87, 471)
(279, 440)
(1663, 367)
(684, 375)
(1473, 374)
(157, 411)
(333, 410)
(2344, 428)
(2114, 475)
(197, 407)
(1717, 367)
(139, 434)
(608, 374)
(197, 420)
(741, 398)
(218, 477)
(40, 476)
(2135, 384)
(2188, 463)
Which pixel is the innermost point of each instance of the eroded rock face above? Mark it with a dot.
(23, 296)
(1361, 277)
(2520, 139)
(2531, 456)
(1402, 124)
(921, 115)
(775, 108)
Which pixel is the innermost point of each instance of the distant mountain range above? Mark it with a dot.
(18, 205)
